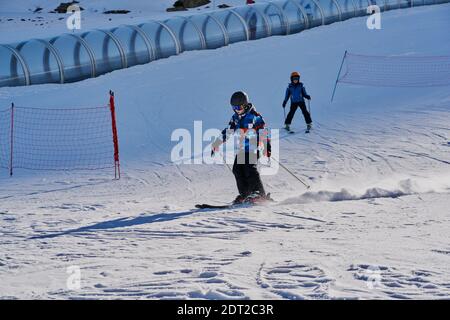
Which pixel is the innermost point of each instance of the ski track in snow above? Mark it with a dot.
(379, 200)
(144, 253)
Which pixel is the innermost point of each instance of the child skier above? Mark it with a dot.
(296, 91)
(247, 125)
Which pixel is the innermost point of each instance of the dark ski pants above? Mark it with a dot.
(247, 176)
(294, 106)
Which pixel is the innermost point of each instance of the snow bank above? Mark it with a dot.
(387, 189)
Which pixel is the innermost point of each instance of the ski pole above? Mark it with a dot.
(309, 107)
(284, 113)
(228, 166)
(292, 174)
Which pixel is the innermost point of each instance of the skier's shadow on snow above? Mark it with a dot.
(122, 223)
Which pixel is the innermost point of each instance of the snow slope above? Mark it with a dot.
(378, 161)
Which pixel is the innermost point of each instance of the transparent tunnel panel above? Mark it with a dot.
(392, 4)
(75, 58)
(214, 32)
(275, 16)
(312, 12)
(407, 3)
(330, 10)
(161, 38)
(257, 25)
(380, 3)
(347, 8)
(136, 50)
(294, 16)
(107, 54)
(186, 31)
(234, 24)
(361, 6)
(11, 71)
(42, 63)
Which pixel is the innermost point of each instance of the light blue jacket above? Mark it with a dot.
(296, 92)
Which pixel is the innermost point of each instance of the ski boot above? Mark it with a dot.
(239, 199)
(308, 127)
(256, 197)
(288, 128)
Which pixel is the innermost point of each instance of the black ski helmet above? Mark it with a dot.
(239, 98)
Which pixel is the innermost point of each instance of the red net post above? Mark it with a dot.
(115, 137)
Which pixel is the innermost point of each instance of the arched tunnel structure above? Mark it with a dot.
(74, 57)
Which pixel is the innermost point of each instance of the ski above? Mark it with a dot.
(212, 206)
(234, 205)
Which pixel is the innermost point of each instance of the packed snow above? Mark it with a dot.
(374, 224)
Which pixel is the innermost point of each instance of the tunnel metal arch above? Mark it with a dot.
(22, 62)
(112, 37)
(339, 9)
(242, 20)
(118, 44)
(199, 32)
(354, 8)
(171, 33)
(344, 12)
(52, 50)
(302, 10)
(268, 26)
(385, 4)
(222, 27)
(150, 48)
(369, 4)
(263, 16)
(322, 14)
(282, 14)
(85, 46)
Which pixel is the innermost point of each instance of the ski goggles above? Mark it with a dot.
(295, 78)
(238, 108)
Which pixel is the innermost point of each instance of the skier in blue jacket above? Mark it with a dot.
(247, 126)
(296, 91)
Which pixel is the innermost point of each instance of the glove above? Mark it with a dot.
(308, 97)
(284, 104)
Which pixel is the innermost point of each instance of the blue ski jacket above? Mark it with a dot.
(296, 92)
(247, 129)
